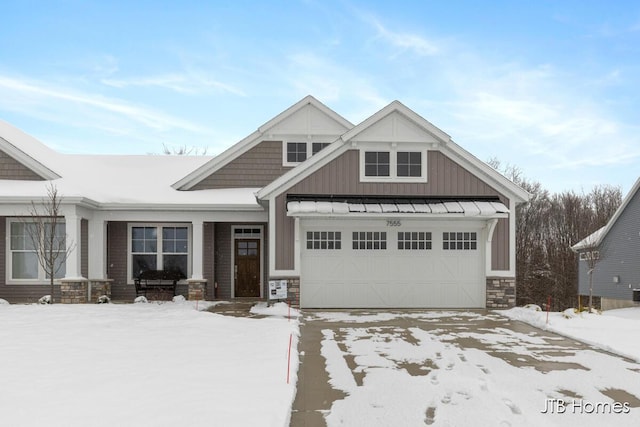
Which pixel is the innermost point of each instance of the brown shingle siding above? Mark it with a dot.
(256, 168)
(10, 168)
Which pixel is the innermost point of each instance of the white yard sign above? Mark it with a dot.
(277, 289)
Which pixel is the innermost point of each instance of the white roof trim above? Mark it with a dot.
(250, 141)
(448, 147)
(14, 142)
(476, 209)
(404, 110)
(596, 238)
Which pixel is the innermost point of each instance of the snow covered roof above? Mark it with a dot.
(28, 151)
(132, 182)
(467, 208)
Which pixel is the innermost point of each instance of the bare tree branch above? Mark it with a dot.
(46, 231)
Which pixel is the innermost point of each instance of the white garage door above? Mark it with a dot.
(392, 263)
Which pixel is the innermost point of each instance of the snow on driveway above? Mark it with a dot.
(468, 368)
(143, 365)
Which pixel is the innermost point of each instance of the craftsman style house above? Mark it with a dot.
(615, 254)
(386, 213)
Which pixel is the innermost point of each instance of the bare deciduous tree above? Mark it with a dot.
(183, 151)
(47, 233)
(547, 226)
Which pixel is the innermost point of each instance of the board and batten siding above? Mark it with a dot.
(10, 168)
(256, 168)
(341, 176)
(619, 256)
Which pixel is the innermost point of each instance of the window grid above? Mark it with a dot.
(159, 247)
(376, 163)
(369, 240)
(459, 241)
(409, 163)
(414, 240)
(331, 240)
(316, 147)
(296, 152)
(23, 250)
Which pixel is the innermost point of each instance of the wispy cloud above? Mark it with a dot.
(45, 95)
(185, 83)
(404, 41)
(333, 82)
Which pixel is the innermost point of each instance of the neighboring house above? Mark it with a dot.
(615, 249)
(388, 213)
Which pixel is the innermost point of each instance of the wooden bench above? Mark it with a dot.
(159, 284)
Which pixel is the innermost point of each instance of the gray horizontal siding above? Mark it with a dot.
(10, 168)
(619, 256)
(342, 176)
(256, 168)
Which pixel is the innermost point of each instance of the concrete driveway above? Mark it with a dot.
(449, 368)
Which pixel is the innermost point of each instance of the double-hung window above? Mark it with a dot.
(26, 239)
(159, 247)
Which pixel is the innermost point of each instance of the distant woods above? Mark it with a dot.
(183, 150)
(547, 227)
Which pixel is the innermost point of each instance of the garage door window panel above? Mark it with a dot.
(324, 240)
(460, 241)
(414, 240)
(369, 240)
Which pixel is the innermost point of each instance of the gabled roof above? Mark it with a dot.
(250, 141)
(595, 239)
(27, 150)
(439, 139)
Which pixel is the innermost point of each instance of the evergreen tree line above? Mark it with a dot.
(547, 226)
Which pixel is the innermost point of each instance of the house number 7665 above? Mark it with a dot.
(393, 223)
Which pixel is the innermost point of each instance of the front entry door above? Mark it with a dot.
(247, 268)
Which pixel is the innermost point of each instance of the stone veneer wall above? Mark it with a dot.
(73, 291)
(501, 292)
(99, 288)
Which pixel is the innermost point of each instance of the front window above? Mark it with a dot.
(160, 248)
(27, 238)
(376, 163)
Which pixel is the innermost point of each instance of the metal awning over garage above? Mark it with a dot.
(335, 206)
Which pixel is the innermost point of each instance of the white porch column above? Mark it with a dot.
(74, 242)
(197, 257)
(97, 249)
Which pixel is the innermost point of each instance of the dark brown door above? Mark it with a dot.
(247, 268)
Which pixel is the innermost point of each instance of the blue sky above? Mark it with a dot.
(551, 87)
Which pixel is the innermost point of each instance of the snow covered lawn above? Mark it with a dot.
(613, 330)
(143, 365)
